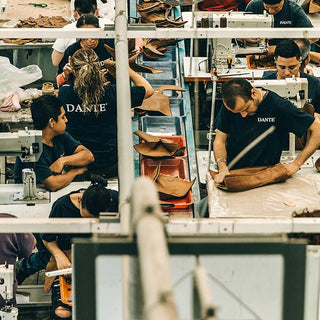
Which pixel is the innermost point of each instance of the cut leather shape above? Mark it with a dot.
(301, 141)
(158, 102)
(170, 187)
(250, 178)
(317, 164)
(132, 62)
(153, 48)
(155, 147)
(152, 6)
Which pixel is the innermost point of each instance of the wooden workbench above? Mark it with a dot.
(21, 9)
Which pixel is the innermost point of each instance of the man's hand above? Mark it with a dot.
(57, 166)
(292, 168)
(62, 261)
(67, 69)
(220, 176)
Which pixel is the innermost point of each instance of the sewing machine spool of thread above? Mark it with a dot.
(48, 88)
(223, 22)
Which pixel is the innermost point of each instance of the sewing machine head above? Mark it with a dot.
(293, 89)
(25, 143)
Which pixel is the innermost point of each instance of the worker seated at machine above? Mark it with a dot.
(12, 246)
(247, 113)
(288, 63)
(63, 158)
(83, 203)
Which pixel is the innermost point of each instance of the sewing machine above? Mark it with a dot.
(293, 89)
(222, 52)
(27, 144)
(8, 312)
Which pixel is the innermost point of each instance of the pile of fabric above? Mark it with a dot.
(158, 12)
(40, 22)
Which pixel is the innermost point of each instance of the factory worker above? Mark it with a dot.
(286, 14)
(13, 246)
(63, 158)
(91, 108)
(79, 8)
(247, 113)
(288, 63)
(85, 21)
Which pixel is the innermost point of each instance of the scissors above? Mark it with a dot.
(43, 5)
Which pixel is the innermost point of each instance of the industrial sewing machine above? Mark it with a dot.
(8, 312)
(27, 144)
(222, 53)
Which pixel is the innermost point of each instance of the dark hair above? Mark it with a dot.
(97, 198)
(85, 6)
(88, 19)
(287, 49)
(271, 1)
(304, 46)
(43, 109)
(236, 88)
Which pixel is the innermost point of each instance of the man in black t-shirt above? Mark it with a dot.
(286, 14)
(247, 113)
(60, 150)
(288, 61)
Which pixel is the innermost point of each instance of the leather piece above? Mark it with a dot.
(66, 290)
(170, 187)
(154, 48)
(301, 141)
(250, 178)
(132, 62)
(317, 164)
(155, 147)
(158, 102)
(306, 214)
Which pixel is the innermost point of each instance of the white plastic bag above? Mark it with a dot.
(12, 77)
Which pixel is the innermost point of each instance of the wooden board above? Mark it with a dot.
(21, 9)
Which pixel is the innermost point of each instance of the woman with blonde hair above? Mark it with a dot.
(91, 108)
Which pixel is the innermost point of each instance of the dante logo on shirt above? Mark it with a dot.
(272, 119)
(285, 22)
(79, 108)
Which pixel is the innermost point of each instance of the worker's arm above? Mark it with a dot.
(136, 78)
(81, 157)
(311, 146)
(220, 154)
(61, 259)
(56, 57)
(57, 182)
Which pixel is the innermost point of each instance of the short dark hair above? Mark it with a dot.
(304, 46)
(88, 19)
(43, 109)
(287, 49)
(85, 6)
(97, 198)
(271, 1)
(236, 88)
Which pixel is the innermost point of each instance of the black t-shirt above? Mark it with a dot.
(64, 208)
(272, 111)
(63, 145)
(290, 16)
(100, 50)
(97, 132)
(313, 87)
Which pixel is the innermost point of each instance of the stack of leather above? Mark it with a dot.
(250, 178)
(261, 62)
(158, 11)
(156, 147)
(154, 48)
(40, 22)
(170, 187)
(158, 102)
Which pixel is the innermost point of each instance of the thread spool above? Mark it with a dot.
(48, 88)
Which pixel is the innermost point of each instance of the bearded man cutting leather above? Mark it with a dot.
(247, 113)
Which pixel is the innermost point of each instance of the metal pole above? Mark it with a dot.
(192, 40)
(125, 140)
(205, 298)
(153, 253)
